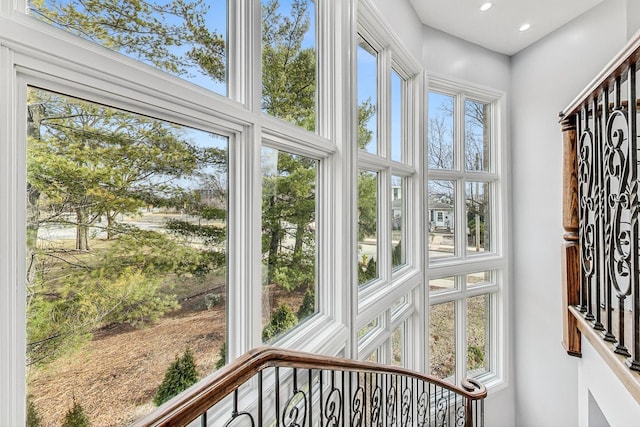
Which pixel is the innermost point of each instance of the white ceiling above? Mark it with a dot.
(498, 28)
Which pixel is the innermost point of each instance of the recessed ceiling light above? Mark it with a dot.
(525, 27)
(486, 6)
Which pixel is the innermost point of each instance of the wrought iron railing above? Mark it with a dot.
(272, 387)
(601, 212)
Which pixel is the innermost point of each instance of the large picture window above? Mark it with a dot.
(168, 229)
(127, 249)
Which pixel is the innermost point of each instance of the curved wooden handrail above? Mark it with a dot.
(187, 406)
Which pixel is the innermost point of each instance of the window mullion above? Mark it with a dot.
(252, 70)
(384, 103)
(244, 245)
(325, 69)
(461, 334)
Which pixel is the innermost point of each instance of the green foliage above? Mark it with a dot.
(288, 210)
(475, 357)
(123, 283)
(75, 416)
(308, 306)
(33, 417)
(367, 204)
(282, 320)
(288, 70)
(223, 356)
(96, 161)
(180, 375)
(181, 42)
(396, 255)
(366, 110)
(208, 234)
(367, 270)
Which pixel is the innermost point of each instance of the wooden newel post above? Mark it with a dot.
(571, 245)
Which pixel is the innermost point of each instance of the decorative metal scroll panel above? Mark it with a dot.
(609, 207)
(296, 397)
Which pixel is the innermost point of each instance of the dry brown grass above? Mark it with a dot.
(115, 376)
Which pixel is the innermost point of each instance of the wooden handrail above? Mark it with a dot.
(601, 217)
(195, 401)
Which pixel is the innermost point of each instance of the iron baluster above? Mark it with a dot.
(634, 362)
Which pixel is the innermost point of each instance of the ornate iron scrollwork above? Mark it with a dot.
(333, 407)
(357, 406)
(240, 419)
(391, 405)
(294, 413)
(442, 409)
(376, 406)
(407, 400)
(423, 409)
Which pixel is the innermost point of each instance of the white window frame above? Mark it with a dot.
(497, 258)
(377, 297)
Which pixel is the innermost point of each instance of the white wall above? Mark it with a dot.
(406, 25)
(545, 78)
(455, 58)
(615, 402)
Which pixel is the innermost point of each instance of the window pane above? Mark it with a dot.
(289, 61)
(366, 331)
(367, 97)
(288, 241)
(398, 306)
(441, 131)
(444, 284)
(477, 335)
(397, 222)
(478, 217)
(398, 345)
(396, 117)
(477, 139)
(189, 41)
(481, 278)
(442, 341)
(441, 212)
(367, 226)
(126, 238)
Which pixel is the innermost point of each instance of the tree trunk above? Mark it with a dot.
(82, 230)
(110, 223)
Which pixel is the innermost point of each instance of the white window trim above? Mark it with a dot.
(496, 260)
(377, 298)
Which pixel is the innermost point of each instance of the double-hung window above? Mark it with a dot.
(467, 264)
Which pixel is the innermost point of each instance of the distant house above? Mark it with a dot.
(440, 216)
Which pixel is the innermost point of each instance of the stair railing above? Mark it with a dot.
(274, 387)
(600, 216)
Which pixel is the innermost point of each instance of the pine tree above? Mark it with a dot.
(282, 320)
(75, 416)
(180, 375)
(33, 417)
